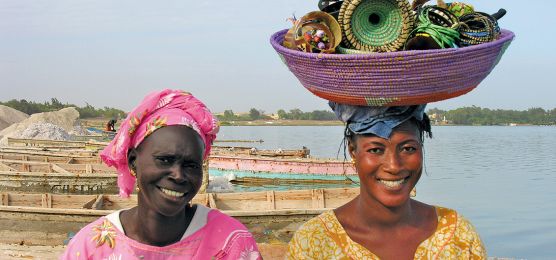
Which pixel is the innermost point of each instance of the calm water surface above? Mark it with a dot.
(501, 178)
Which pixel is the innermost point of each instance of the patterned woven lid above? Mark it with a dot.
(376, 25)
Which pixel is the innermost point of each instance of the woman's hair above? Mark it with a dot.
(424, 128)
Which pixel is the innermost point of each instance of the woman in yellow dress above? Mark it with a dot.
(383, 222)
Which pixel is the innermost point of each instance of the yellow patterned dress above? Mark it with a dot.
(324, 237)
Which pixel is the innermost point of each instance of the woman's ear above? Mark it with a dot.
(131, 157)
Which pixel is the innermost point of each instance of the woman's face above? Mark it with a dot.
(169, 170)
(389, 169)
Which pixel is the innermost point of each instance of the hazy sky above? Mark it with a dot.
(111, 53)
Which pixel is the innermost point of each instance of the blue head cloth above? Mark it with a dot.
(376, 120)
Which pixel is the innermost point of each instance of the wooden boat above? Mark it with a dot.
(252, 151)
(58, 182)
(30, 176)
(250, 181)
(272, 216)
(64, 172)
(48, 156)
(31, 166)
(94, 178)
(94, 147)
(48, 151)
(88, 145)
(294, 168)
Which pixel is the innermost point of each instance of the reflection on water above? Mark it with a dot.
(501, 178)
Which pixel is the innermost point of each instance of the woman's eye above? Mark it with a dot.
(375, 150)
(193, 165)
(165, 159)
(409, 149)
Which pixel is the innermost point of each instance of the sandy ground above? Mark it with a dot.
(10, 252)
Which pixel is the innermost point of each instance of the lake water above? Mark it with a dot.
(503, 179)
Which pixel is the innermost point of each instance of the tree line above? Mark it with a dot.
(472, 115)
(293, 114)
(483, 116)
(87, 111)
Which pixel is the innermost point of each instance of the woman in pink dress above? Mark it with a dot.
(161, 145)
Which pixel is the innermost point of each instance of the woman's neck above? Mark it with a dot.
(374, 214)
(152, 228)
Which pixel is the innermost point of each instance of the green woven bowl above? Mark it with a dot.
(376, 25)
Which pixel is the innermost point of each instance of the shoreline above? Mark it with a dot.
(97, 122)
(331, 123)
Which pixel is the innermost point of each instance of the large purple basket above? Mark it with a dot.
(394, 78)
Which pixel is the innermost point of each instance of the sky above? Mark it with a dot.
(112, 53)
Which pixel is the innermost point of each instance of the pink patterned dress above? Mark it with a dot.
(210, 235)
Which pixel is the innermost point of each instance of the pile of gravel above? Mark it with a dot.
(44, 131)
(9, 116)
(66, 118)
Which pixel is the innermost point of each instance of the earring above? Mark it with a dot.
(353, 161)
(413, 192)
(137, 188)
(132, 172)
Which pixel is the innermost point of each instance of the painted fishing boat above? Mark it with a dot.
(272, 216)
(58, 182)
(243, 169)
(294, 168)
(95, 178)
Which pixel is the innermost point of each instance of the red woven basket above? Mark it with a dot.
(393, 78)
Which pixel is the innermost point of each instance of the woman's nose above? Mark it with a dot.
(391, 162)
(178, 173)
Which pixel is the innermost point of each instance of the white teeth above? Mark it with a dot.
(172, 193)
(392, 184)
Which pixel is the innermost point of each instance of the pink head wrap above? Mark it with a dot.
(158, 109)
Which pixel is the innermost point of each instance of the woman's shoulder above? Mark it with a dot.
(457, 235)
(226, 227)
(236, 240)
(316, 238)
(216, 218)
(450, 217)
(324, 223)
(96, 236)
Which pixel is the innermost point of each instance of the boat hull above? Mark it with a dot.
(300, 167)
(48, 219)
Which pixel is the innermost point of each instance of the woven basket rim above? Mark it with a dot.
(277, 38)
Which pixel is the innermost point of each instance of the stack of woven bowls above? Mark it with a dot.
(371, 72)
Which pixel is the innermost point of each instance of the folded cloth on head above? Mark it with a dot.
(158, 109)
(377, 120)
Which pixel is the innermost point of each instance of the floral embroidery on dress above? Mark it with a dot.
(105, 233)
(155, 124)
(249, 254)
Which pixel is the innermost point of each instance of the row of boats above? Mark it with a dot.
(50, 189)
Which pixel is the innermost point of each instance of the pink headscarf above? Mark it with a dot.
(158, 109)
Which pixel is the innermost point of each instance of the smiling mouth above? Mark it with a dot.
(394, 184)
(172, 193)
